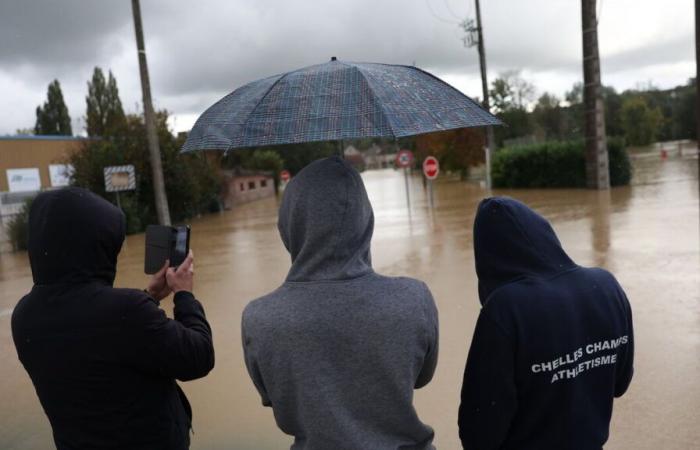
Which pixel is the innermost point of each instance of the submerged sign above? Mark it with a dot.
(120, 178)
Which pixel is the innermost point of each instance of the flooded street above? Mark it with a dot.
(646, 234)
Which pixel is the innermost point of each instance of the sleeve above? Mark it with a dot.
(626, 367)
(489, 397)
(181, 348)
(433, 337)
(252, 364)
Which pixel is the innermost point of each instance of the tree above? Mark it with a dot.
(510, 91)
(548, 116)
(53, 118)
(640, 122)
(191, 183)
(457, 150)
(105, 115)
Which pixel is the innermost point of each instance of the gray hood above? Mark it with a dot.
(326, 222)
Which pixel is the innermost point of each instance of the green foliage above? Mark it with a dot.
(53, 117)
(640, 122)
(555, 164)
(105, 115)
(191, 184)
(17, 228)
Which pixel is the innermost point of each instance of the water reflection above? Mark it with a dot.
(647, 234)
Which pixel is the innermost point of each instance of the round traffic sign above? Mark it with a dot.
(431, 167)
(404, 158)
(285, 175)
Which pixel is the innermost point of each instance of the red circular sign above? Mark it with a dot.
(285, 175)
(404, 158)
(431, 167)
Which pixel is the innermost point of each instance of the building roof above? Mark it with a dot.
(46, 137)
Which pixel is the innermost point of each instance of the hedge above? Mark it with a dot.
(556, 164)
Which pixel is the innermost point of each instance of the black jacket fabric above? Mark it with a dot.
(553, 344)
(103, 361)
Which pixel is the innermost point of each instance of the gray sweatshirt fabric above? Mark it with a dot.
(338, 349)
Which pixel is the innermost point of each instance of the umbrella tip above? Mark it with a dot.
(333, 58)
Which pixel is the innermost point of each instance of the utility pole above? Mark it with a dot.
(697, 80)
(597, 172)
(151, 134)
(475, 37)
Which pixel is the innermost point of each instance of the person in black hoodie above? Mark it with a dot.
(103, 360)
(553, 344)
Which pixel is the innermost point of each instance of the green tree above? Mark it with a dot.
(547, 115)
(191, 184)
(640, 122)
(105, 115)
(52, 118)
(510, 95)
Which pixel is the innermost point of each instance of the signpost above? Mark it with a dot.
(404, 160)
(431, 170)
(120, 178)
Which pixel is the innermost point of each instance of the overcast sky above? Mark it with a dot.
(198, 51)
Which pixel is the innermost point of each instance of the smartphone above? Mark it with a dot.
(164, 242)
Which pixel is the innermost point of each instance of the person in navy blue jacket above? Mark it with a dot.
(553, 343)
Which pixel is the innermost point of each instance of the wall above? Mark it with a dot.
(34, 151)
(246, 188)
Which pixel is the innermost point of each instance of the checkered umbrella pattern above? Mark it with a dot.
(333, 101)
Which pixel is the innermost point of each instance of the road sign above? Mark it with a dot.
(431, 167)
(285, 175)
(120, 178)
(404, 158)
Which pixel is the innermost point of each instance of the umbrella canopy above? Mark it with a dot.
(333, 101)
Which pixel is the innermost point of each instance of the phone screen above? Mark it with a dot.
(181, 247)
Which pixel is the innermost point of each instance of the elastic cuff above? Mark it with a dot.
(183, 295)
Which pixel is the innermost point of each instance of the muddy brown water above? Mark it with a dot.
(647, 234)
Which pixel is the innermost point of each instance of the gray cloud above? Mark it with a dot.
(199, 51)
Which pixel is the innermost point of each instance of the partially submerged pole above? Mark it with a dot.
(159, 193)
(597, 172)
(485, 92)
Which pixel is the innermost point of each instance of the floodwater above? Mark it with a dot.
(646, 234)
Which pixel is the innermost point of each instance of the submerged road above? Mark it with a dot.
(646, 234)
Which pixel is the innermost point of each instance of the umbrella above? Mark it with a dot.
(335, 101)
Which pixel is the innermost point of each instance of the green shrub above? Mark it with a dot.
(18, 227)
(555, 164)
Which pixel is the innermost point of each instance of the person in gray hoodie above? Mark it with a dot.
(338, 349)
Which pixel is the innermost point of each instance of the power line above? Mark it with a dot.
(449, 8)
(436, 16)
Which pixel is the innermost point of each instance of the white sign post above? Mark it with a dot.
(120, 178)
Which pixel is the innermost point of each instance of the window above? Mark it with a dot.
(242, 187)
(263, 183)
(251, 185)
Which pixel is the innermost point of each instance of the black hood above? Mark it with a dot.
(513, 241)
(74, 236)
(326, 222)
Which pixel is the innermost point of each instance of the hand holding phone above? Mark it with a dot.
(182, 278)
(165, 243)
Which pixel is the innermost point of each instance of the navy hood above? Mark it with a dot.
(326, 222)
(512, 241)
(74, 237)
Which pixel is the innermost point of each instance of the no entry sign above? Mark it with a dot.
(285, 175)
(431, 167)
(404, 158)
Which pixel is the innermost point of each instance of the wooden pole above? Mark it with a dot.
(485, 92)
(151, 134)
(597, 172)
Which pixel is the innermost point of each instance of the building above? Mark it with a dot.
(242, 186)
(29, 164)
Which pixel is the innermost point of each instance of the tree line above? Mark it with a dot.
(641, 116)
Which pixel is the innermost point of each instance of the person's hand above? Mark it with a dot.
(182, 278)
(158, 287)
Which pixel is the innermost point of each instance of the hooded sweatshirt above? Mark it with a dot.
(103, 360)
(338, 349)
(553, 344)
